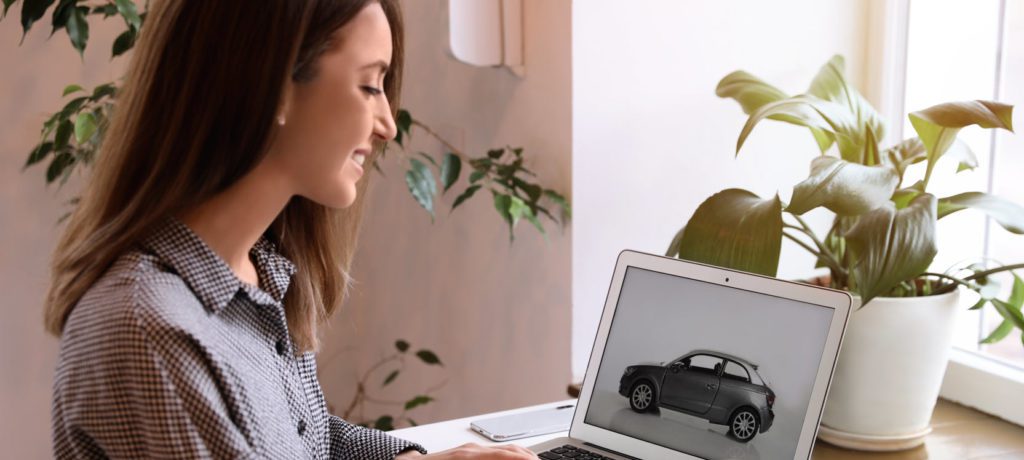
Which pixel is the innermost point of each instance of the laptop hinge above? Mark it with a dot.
(609, 450)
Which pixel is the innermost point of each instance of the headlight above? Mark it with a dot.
(629, 371)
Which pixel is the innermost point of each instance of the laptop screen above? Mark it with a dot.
(713, 371)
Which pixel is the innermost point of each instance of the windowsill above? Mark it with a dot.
(959, 433)
(991, 387)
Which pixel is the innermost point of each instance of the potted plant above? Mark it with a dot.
(879, 247)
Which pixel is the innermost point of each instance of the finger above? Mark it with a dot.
(521, 452)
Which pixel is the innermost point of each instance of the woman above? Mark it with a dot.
(216, 234)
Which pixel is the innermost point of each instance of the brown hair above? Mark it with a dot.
(195, 114)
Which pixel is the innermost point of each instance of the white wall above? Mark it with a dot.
(651, 141)
(497, 314)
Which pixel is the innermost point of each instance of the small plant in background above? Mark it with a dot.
(883, 237)
(501, 171)
(71, 136)
(396, 362)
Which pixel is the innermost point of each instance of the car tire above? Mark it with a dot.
(641, 397)
(743, 424)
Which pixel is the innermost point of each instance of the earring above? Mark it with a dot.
(280, 120)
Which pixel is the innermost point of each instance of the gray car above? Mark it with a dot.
(720, 388)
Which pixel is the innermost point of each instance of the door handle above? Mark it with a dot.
(710, 386)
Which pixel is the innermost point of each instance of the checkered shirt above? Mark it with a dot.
(170, 355)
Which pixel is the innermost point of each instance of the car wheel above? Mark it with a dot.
(641, 397)
(744, 424)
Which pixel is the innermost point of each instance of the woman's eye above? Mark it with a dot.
(371, 90)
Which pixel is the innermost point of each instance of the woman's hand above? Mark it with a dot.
(475, 451)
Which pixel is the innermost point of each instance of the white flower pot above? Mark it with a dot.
(889, 372)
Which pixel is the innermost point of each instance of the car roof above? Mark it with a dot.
(722, 355)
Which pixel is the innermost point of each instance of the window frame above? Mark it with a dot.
(972, 378)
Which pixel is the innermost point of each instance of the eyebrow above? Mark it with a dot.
(380, 64)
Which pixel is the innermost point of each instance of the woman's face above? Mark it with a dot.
(332, 121)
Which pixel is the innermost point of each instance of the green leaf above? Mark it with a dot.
(830, 84)
(451, 167)
(78, 29)
(61, 14)
(417, 401)
(502, 202)
(530, 216)
(401, 345)
(560, 200)
(106, 10)
(999, 333)
(129, 13)
(888, 246)
(71, 107)
(391, 378)
(812, 112)
(753, 93)
(85, 127)
(71, 89)
(517, 209)
(384, 423)
(467, 194)
(31, 11)
(106, 89)
(403, 123)
(735, 228)
(7, 5)
(677, 240)
(123, 43)
(64, 131)
(58, 166)
(39, 153)
(937, 126)
(428, 357)
(1008, 214)
(420, 181)
(495, 154)
(847, 189)
(1009, 313)
(476, 176)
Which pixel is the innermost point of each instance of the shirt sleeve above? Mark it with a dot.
(138, 393)
(353, 442)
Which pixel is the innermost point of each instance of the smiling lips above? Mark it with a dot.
(359, 158)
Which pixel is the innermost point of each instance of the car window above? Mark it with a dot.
(735, 371)
(704, 363)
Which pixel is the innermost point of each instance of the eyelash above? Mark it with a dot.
(372, 90)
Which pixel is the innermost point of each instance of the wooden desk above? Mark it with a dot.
(959, 433)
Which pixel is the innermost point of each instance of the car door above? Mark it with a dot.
(692, 383)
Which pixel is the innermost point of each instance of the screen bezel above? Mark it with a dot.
(838, 301)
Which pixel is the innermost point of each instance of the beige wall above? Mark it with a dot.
(497, 315)
(34, 75)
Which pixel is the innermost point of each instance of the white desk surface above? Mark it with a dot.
(445, 435)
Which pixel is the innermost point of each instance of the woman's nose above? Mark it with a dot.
(385, 128)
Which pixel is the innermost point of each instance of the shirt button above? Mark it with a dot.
(302, 427)
(281, 347)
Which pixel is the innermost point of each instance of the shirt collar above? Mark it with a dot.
(206, 273)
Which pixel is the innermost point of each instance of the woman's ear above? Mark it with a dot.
(284, 107)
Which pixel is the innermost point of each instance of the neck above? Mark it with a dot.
(232, 221)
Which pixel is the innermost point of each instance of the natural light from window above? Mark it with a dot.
(955, 52)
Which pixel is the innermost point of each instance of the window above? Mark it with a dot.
(982, 60)
(735, 371)
(704, 363)
(946, 50)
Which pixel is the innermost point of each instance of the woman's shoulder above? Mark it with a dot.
(137, 294)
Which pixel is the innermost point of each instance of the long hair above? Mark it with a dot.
(195, 114)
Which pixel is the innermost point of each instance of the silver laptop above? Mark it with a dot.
(694, 361)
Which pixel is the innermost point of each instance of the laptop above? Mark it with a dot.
(693, 361)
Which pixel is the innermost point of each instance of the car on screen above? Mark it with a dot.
(718, 387)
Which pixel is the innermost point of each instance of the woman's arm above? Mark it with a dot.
(354, 442)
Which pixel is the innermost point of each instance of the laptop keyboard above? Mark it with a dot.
(571, 452)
